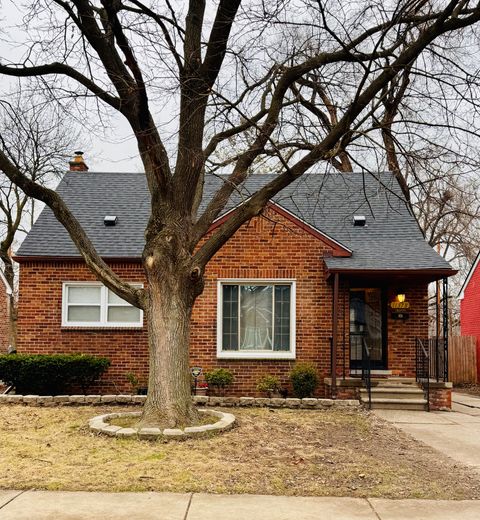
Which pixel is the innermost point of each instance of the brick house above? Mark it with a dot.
(469, 297)
(322, 276)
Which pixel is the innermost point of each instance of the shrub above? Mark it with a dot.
(304, 379)
(268, 384)
(133, 380)
(219, 378)
(50, 374)
(139, 386)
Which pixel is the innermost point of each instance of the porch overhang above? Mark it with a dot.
(399, 275)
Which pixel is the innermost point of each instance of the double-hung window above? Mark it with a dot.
(94, 305)
(256, 319)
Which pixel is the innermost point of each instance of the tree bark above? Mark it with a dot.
(173, 286)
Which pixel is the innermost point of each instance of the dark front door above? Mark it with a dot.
(367, 323)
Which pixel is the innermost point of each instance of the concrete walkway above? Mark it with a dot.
(59, 505)
(456, 433)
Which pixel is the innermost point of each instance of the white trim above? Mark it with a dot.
(104, 305)
(257, 354)
(313, 228)
(8, 289)
(461, 294)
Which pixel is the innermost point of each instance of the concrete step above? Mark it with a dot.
(394, 393)
(401, 382)
(397, 404)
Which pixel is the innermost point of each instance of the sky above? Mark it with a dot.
(113, 149)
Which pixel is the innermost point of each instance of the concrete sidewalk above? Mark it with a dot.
(465, 403)
(456, 433)
(59, 505)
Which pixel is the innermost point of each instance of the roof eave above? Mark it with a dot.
(22, 259)
(426, 273)
(473, 268)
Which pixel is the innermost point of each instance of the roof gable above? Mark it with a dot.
(472, 270)
(338, 249)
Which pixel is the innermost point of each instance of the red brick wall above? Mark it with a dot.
(440, 399)
(265, 248)
(470, 311)
(402, 333)
(40, 318)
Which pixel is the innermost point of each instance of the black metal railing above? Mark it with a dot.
(438, 350)
(367, 371)
(422, 367)
(437, 353)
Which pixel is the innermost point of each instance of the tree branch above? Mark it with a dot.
(65, 70)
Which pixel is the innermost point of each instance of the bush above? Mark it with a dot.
(304, 379)
(50, 374)
(219, 377)
(268, 384)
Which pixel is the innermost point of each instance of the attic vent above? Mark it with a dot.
(359, 221)
(110, 220)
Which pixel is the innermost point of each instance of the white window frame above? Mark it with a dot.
(104, 305)
(256, 354)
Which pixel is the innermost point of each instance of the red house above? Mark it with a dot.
(470, 306)
(335, 272)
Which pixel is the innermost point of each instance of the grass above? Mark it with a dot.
(288, 452)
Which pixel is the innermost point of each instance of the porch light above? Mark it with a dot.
(400, 297)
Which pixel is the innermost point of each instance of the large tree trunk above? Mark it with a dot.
(172, 289)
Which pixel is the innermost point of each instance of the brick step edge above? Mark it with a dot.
(100, 400)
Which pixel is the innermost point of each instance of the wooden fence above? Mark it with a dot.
(462, 359)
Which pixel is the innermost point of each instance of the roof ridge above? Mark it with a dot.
(382, 172)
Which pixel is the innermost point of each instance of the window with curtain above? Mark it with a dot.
(94, 305)
(256, 318)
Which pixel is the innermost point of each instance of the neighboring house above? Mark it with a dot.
(470, 306)
(5, 293)
(322, 270)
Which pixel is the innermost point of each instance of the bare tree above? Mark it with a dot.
(241, 103)
(33, 138)
(437, 168)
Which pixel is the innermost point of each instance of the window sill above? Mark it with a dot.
(255, 355)
(100, 327)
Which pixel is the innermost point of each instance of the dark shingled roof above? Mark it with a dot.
(390, 240)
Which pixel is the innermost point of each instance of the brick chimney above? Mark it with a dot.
(77, 164)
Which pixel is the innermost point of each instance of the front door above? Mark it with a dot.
(368, 323)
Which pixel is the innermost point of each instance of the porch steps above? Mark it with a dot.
(395, 394)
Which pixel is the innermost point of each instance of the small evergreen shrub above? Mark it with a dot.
(304, 379)
(219, 378)
(269, 385)
(51, 374)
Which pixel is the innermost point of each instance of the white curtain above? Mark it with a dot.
(256, 317)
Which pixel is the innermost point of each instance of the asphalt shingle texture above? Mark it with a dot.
(390, 240)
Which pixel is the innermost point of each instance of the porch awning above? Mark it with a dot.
(386, 258)
(424, 275)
